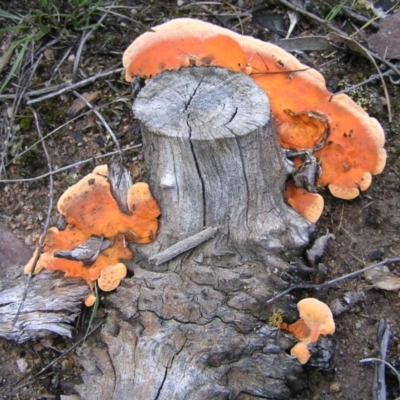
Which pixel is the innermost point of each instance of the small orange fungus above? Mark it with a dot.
(315, 319)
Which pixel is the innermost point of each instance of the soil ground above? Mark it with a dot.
(365, 229)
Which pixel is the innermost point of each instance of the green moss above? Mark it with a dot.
(52, 114)
(25, 120)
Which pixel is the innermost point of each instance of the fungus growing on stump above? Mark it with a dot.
(94, 241)
(345, 140)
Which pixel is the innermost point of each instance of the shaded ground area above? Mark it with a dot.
(365, 229)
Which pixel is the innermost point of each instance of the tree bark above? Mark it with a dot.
(52, 302)
(194, 325)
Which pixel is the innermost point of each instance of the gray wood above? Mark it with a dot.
(184, 245)
(50, 307)
(195, 327)
(52, 302)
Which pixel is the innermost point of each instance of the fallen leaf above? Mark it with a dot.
(78, 104)
(386, 42)
(382, 278)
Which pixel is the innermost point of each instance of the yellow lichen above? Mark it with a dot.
(276, 319)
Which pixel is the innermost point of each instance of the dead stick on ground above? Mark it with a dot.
(63, 88)
(183, 246)
(47, 221)
(85, 36)
(69, 166)
(101, 118)
(333, 281)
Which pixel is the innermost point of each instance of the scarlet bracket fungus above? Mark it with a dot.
(90, 209)
(315, 319)
(302, 107)
(310, 205)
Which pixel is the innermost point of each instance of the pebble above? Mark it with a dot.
(335, 387)
(71, 58)
(22, 365)
(359, 325)
(29, 241)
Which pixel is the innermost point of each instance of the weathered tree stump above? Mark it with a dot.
(192, 325)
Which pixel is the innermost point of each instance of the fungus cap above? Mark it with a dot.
(301, 352)
(309, 205)
(315, 319)
(90, 207)
(90, 299)
(181, 43)
(110, 277)
(317, 316)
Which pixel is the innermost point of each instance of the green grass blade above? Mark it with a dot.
(13, 28)
(94, 311)
(16, 64)
(6, 14)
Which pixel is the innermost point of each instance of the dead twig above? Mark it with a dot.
(360, 18)
(184, 245)
(353, 44)
(84, 38)
(371, 21)
(101, 118)
(334, 29)
(333, 281)
(371, 79)
(47, 220)
(3, 165)
(60, 89)
(67, 167)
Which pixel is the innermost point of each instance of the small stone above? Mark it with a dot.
(29, 241)
(376, 255)
(22, 365)
(65, 364)
(359, 325)
(38, 347)
(71, 58)
(335, 387)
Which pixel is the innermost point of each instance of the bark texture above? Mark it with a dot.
(52, 302)
(193, 326)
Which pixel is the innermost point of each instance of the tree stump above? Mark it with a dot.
(192, 322)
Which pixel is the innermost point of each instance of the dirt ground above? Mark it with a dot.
(365, 229)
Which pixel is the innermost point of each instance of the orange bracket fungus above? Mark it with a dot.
(347, 143)
(315, 319)
(94, 240)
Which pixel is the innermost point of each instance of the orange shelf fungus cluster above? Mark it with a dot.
(97, 227)
(315, 319)
(301, 105)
